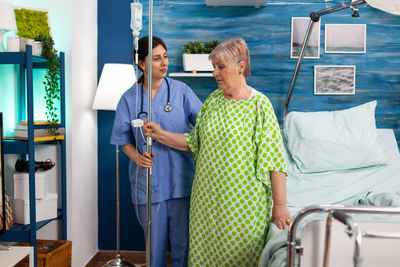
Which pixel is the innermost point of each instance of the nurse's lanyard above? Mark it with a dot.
(167, 107)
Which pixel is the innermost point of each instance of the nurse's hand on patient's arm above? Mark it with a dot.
(146, 160)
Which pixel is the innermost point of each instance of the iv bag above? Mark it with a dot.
(136, 18)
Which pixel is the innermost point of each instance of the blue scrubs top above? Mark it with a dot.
(173, 170)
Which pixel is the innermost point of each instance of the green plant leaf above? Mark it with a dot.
(200, 47)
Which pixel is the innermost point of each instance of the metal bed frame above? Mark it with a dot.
(338, 212)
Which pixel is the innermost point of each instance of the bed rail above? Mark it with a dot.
(291, 241)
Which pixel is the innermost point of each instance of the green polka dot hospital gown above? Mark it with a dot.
(236, 143)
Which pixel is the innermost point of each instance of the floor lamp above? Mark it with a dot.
(115, 79)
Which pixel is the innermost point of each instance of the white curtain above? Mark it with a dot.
(389, 6)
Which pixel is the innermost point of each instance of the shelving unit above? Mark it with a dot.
(190, 74)
(27, 62)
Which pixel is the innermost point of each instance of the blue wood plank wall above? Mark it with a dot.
(267, 31)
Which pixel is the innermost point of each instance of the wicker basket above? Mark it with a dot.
(50, 253)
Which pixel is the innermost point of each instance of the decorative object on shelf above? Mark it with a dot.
(115, 79)
(13, 44)
(7, 22)
(6, 214)
(37, 48)
(9, 217)
(255, 3)
(21, 185)
(51, 85)
(195, 57)
(34, 24)
(21, 165)
(21, 131)
(23, 42)
(46, 209)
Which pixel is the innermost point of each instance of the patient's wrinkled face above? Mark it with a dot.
(225, 73)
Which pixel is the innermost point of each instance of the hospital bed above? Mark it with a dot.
(364, 184)
(338, 159)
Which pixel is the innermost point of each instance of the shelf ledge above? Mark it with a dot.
(190, 74)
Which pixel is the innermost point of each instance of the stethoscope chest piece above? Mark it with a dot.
(168, 107)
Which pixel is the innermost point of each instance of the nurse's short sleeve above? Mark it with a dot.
(122, 132)
(192, 105)
(269, 153)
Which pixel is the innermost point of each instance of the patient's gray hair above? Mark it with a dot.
(233, 50)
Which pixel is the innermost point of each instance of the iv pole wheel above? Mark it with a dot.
(118, 261)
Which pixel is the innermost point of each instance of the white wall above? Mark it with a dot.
(82, 161)
(74, 29)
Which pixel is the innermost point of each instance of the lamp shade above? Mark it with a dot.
(115, 79)
(7, 16)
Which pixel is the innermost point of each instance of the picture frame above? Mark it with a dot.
(345, 38)
(334, 79)
(298, 30)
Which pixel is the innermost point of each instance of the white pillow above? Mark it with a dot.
(334, 140)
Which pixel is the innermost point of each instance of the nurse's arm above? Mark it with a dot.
(174, 140)
(143, 161)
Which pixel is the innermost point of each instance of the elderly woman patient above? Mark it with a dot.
(240, 180)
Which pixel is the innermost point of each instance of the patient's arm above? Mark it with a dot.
(280, 213)
(174, 140)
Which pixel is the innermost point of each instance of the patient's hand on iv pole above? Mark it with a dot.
(280, 215)
(145, 160)
(174, 140)
(153, 129)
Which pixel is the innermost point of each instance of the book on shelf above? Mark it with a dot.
(20, 131)
(36, 122)
(37, 139)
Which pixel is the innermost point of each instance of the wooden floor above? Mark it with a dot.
(137, 258)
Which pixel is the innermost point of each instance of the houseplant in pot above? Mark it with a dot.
(195, 57)
(33, 24)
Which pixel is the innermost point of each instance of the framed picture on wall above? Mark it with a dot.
(299, 29)
(334, 80)
(345, 38)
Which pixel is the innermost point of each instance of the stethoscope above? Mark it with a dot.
(167, 107)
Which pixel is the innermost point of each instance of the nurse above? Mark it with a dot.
(175, 107)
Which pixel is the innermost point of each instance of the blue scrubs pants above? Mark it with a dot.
(170, 222)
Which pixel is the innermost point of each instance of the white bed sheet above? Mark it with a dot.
(346, 187)
(376, 186)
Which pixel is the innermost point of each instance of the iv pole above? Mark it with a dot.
(149, 138)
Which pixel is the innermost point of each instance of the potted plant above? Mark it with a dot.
(33, 24)
(195, 57)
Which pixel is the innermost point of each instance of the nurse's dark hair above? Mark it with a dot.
(144, 50)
